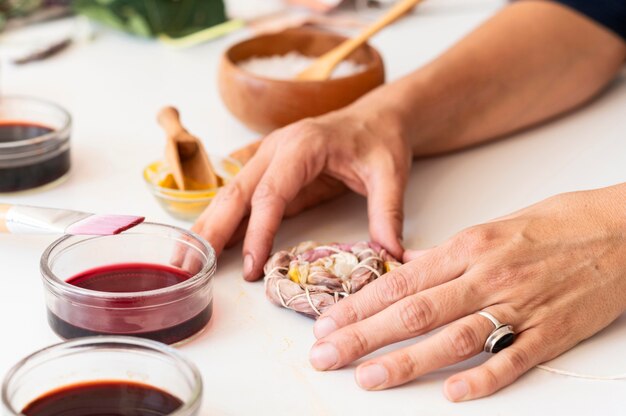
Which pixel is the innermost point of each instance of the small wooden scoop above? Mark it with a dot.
(185, 154)
(323, 67)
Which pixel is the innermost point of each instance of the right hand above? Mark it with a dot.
(323, 188)
(364, 148)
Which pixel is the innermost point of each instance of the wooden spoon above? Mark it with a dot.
(185, 153)
(323, 66)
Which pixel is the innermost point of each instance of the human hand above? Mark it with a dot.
(556, 271)
(322, 189)
(303, 163)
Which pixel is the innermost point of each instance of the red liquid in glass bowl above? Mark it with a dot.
(168, 317)
(106, 398)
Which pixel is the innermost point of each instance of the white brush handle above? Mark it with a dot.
(23, 219)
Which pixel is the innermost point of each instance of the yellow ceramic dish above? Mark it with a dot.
(186, 205)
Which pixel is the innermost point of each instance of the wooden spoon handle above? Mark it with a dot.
(397, 11)
(339, 53)
(169, 119)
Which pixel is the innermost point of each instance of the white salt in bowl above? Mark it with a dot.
(252, 89)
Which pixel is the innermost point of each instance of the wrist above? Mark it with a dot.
(384, 110)
(416, 107)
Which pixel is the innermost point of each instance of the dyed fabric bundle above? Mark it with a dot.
(309, 278)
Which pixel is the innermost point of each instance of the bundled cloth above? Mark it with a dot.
(309, 278)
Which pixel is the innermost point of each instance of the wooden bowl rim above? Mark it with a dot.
(376, 65)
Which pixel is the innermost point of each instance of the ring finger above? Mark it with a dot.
(457, 342)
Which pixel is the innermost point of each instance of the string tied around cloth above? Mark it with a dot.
(321, 285)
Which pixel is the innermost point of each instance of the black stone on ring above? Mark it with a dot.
(501, 337)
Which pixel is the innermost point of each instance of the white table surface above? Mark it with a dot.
(254, 355)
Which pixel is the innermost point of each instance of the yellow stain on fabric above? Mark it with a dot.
(294, 274)
(390, 266)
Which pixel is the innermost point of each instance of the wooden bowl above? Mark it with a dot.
(265, 104)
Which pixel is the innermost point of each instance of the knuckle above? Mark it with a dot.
(345, 311)
(231, 192)
(265, 194)
(478, 239)
(358, 342)
(305, 128)
(560, 328)
(406, 365)
(489, 380)
(395, 214)
(394, 286)
(464, 341)
(416, 315)
(518, 360)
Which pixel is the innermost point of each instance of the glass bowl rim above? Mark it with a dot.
(121, 341)
(203, 275)
(67, 124)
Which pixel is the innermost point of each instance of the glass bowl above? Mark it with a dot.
(171, 313)
(186, 205)
(34, 143)
(93, 360)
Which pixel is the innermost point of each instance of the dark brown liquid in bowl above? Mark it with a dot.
(23, 176)
(106, 398)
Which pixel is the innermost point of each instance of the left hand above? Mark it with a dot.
(556, 271)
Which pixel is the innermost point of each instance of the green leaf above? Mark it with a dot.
(174, 18)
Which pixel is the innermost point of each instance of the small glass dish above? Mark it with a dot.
(34, 143)
(186, 205)
(93, 361)
(128, 284)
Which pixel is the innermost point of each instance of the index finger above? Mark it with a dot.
(288, 172)
(220, 220)
(438, 265)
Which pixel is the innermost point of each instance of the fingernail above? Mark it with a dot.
(324, 327)
(248, 265)
(323, 356)
(457, 390)
(371, 376)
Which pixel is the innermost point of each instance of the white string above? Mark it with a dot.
(275, 270)
(362, 264)
(270, 274)
(330, 248)
(368, 267)
(308, 297)
(281, 271)
(578, 375)
(293, 298)
(280, 295)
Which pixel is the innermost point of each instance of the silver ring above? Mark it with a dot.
(501, 337)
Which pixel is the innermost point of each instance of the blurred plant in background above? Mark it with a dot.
(184, 23)
(149, 18)
(21, 9)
